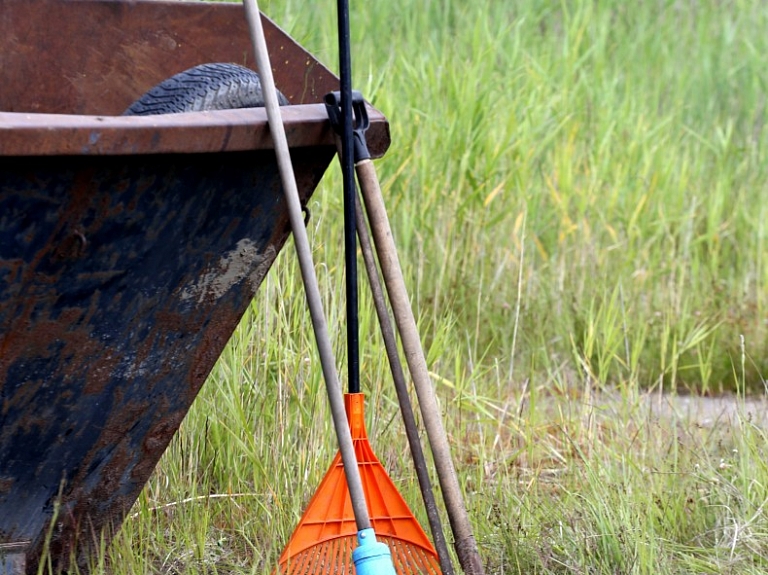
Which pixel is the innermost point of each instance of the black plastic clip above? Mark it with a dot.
(360, 121)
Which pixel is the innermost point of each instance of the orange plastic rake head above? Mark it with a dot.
(326, 535)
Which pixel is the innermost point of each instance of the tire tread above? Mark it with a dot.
(216, 86)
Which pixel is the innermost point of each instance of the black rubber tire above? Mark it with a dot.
(216, 86)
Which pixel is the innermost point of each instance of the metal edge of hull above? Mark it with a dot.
(192, 133)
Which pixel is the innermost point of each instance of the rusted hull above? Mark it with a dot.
(122, 280)
(130, 247)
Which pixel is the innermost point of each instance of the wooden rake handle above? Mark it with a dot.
(465, 544)
(304, 253)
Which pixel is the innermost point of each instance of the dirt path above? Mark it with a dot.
(709, 411)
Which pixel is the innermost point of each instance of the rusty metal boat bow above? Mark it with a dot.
(130, 247)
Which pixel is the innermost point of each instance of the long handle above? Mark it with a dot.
(348, 178)
(466, 547)
(409, 421)
(335, 398)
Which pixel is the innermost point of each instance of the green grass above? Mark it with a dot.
(578, 192)
(615, 151)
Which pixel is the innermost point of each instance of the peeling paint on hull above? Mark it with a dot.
(130, 246)
(121, 280)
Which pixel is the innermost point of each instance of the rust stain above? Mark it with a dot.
(108, 340)
(125, 273)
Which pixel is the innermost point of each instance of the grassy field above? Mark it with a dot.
(578, 192)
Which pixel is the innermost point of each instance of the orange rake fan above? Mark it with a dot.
(326, 534)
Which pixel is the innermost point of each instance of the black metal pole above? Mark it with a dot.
(348, 174)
